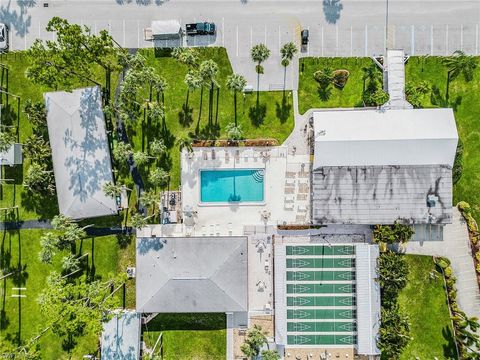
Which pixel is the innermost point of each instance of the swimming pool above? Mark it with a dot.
(239, 185)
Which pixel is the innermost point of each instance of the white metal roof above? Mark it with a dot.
(368, 299)
(166, 27)
(385, 137)
(80, 153)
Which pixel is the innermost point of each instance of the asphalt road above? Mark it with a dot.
(337, 28)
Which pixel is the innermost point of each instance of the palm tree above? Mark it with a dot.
(208, 72)
(459, 64)
(287, 51)
(111, 190)
(193, 82)
(259, 54)
(234, 131)
(158, 177)
(185, 143)
(235, 83)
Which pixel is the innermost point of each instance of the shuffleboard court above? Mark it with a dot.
(321, 314)
(334, 339)
(321, 301)
(320, 250)
(315, 288)
(324, 326)
(325, 263)
(328, 275)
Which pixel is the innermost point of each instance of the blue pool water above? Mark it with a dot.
(245, 185)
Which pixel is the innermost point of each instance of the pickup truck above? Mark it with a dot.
(202, 28)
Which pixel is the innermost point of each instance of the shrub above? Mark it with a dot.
(458, 164)
(340, 78)
(324, 77)
(442, 262)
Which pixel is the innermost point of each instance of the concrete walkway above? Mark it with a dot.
(456, 247)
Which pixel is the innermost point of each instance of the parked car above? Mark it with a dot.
(304, 37)
(202, 28)
(3, 37)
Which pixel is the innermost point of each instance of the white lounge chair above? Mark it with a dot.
(288, 206)
(290, 182)
(212, 230)
(289, 198)
(230, 229)
(204, 230)
(302, 208)
(217, 229)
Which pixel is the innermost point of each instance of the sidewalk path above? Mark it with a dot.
(455, 247)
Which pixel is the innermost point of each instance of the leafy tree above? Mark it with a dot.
(37, 149)
(73, 309)
(259, 53)
(414, 92)
(122, 152)
(36, 113)
(138, 221)
(394, 333)
(235, 83)
(157, 148)
(70, 263)
(234, 131)
(390, 234)
(48, 242)
(459, 64)
(393, 275)
(270, 355)
(186, 56)
(255, 339)
(372, 77)
(39, 179)
(287, 52)
(7, 139)
(185, 143)
(112, 190)
(150, 198)
(141, 158)
(158, 177)
(324, 78)
(30, 350)
(375, 98)
(458, 163)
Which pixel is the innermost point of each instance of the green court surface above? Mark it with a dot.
(327, 288)
(320, 250)
(328, 275)
(329, 326)
(321, 301)
(323, 314)
(321, 339)
(321, 263)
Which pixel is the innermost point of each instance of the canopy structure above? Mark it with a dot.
(166, 29)
(80, 152)
(207, 274)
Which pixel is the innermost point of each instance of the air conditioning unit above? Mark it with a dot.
(130, 272)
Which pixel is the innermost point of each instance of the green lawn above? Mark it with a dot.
(425, 302)
(106, 258)
(189, 336)
(349, 96)
(277, 121)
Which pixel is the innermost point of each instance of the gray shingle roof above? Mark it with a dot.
(381, 194)
(191, 274)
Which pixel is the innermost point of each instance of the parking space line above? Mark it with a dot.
(138, 33)
(25, 37)
(431, 39)
(223, 31)
(351, 40)
(366, 40)
(109, 26)
(308, 47)
(476, 39)
(446, 42)
(279, 38)
(413, 40)
(251, 36)
(237, 39)
(39, 30)
(265, 42)
(322, 40)
(95, 27)
(123, 32)
(461, 37)
(336, 36)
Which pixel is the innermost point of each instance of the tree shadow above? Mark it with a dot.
(324, 92)
(257, 114)
(188, 321)
(331, 10)
(166, 134)
(437, 98)
(209, 132)
(449, 350)
(21, 22)
(185, 117)
(283, 110)
(44, 205)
